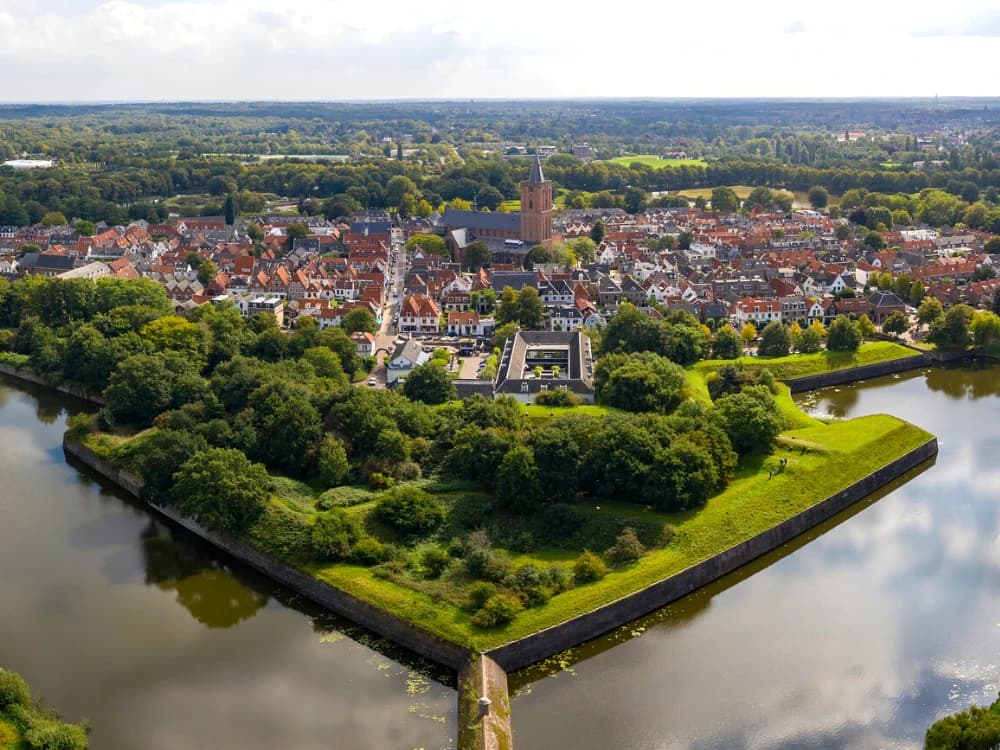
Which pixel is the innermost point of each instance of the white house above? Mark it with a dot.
(408, 354)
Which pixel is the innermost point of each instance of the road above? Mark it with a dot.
(386, 336)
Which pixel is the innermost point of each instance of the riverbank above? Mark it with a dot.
(26, 725)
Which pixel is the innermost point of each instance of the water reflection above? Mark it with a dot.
(213, 596)
(858, 637)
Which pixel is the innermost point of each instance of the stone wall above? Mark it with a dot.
(541, 645)
(30, 377)
(344, 604)
(852, 374)
(483, 727)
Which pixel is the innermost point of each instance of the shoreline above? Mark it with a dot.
(541, 644)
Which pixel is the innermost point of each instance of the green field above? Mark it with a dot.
(655, 162)
(800, 365)
(839, 453)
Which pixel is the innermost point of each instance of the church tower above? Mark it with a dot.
(536, 207)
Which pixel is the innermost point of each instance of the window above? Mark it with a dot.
(524, 387)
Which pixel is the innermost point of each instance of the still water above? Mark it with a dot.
(858, 636)
(162, 644)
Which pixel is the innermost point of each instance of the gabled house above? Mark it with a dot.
(407, 355)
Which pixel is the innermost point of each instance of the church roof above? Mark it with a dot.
(482, 220)
(536, 177)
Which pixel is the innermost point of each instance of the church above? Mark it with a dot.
(508, 235)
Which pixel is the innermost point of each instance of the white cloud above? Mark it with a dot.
(348, 49)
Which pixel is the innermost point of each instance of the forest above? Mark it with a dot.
(121, 162)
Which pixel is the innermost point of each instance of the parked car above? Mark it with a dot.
(372, 381)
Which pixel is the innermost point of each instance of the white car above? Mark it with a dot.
(372, 381)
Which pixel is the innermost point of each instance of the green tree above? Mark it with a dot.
(640, 382)
(844, 335)
(222, 490)
(866, 326)
(818, 197)
(760, 196)
(229, 210)
(775, 340)
(429, 243)
(332, 464)
(85, 228)
(953, 330)
(530, 309)
(537, 254)
(397, 187)
(429, 383)
(811, 341)
(598, 231)
(635, 200)
(54, 219)
(750, 418)
(410, 509)
(725, 199)
(985, 329)
(517, 486)
(477, 254)
(584, 248)
(207, 272)
(359, 319)
(295, 231)
(874, 240)
(727, 343)
(929, 311)
(895, 324)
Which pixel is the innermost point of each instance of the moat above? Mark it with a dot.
(857, 635)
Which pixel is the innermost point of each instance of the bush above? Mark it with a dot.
(434, 562)
(589, 567)
(481, 592)
(498, 610)
(343, 497)
(333, 535)
(530, 582)
(487, 564)
(627, 547)
(14, 690)
(410, 510)
(558, 397)
(380, 481)
(368, 551)
(53, 735)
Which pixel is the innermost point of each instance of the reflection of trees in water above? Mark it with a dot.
(839, 402)
(213, 596)
(977, 379)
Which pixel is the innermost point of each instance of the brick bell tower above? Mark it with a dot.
(536, 207)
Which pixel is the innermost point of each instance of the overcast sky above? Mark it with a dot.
(59, 50)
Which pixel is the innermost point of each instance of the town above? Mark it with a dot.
(405, 287)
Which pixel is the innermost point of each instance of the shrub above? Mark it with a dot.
(558, 397)
(498, 610)
(380, 481)
(487, 564)
(13, 689)
(283, 533)
(530, 582)
(53, 735)
(410, 510)
(333, 535)
(434, 562)
(627, 547)
(480, 592)
(589, 567)
(368, 551)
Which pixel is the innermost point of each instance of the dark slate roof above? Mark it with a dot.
(885, 299)
(496, 222)
(515, 279)
(48, 262)
(536, 177)
(371, 227)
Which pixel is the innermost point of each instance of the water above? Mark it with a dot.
(161, 643)
(888, 618)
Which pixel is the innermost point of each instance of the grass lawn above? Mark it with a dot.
(655, 162)
(800, 365)
(822, 460)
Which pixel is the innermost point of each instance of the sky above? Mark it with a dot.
(151, 50)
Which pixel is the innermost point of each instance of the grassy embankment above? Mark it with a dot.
(26, 725)
(822, 459)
